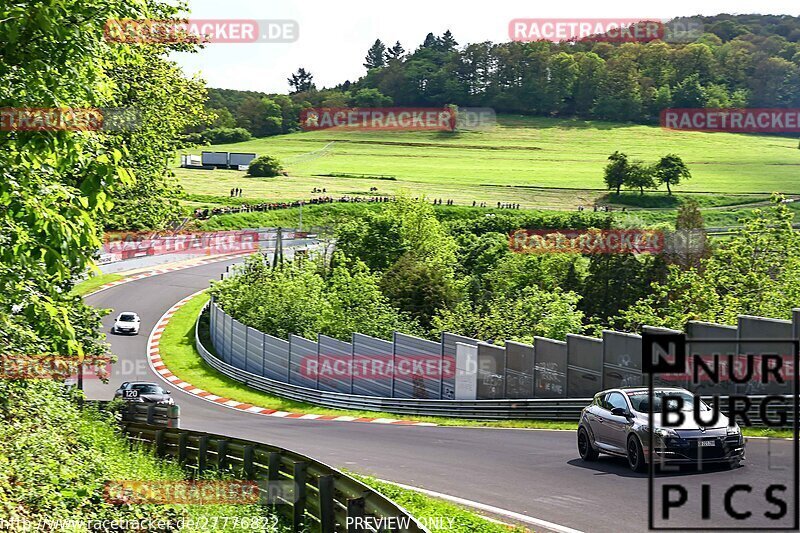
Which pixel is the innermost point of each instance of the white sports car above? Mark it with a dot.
(127, 323)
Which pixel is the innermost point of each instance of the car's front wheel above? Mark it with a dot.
(585, 448)
(635, 454)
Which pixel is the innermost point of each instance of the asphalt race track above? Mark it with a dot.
(532, 472)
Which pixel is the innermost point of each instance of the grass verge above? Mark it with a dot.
(437, 515)
(179, 354)
(93, 282)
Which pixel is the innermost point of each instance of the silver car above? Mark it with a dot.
(616, 423)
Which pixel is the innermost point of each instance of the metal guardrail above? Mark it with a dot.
(503, 409)
(318, 497)
(153, 414)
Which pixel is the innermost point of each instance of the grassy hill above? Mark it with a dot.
(528, 160)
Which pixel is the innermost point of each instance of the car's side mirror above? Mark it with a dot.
(619, 411)
(167, 392)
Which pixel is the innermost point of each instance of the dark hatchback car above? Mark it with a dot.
(143, 391)
(617, 423)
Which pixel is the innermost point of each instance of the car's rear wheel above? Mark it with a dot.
(585, 448)
(635, 454)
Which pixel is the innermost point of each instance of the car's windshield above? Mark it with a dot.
(127, 317)
(147, 389)
(640, 401)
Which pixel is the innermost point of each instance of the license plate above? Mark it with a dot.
(704, 443)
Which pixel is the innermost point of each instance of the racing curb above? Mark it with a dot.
(158, 367)
(164, 270)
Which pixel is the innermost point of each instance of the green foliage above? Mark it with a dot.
(616, 172)
(756, 272)
(226, 135)
(264, 166)
(370, 98)
(303, 299)
(616, 281)
(639, 176)
(534, 312)
(161, 117)
(375, 55)
(670, 170)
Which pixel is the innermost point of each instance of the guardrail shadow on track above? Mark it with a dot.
(317, 497)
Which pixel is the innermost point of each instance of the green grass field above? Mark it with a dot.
(528, 160)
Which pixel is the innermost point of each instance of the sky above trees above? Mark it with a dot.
(334, 36)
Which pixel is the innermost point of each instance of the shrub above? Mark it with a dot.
(264, 167)
(227, 135)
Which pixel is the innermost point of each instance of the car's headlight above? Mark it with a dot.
(665, 432)
(733, 430)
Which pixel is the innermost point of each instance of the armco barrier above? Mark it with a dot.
(567, 409)
(313, 494)
(153, 414)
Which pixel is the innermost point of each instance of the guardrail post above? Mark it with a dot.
(222, 454)
(202, 454)
(173, 416)
(159, 442)
(355, 514)
(183, 439)
(151, 411)
(299, 470)
(274, 466)
(247, 462)
(327, 517)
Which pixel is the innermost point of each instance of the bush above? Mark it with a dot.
(227, 135)
(264, 167)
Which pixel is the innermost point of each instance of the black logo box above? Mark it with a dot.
(678, 366)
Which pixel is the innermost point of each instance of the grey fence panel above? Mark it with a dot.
(335, 360)
(491, 371)
(238, 344)
(550, 368)
(303, 361)
(622, 359)
(753, 328)
(708, 350)
(372, 366)
(223, 334)
(276, 358)
(519, 370)
(254, 360)
(415, 366)
(449, 341)
(212, 322)
(584, 366)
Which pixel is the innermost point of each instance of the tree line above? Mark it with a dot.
(740, 61)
